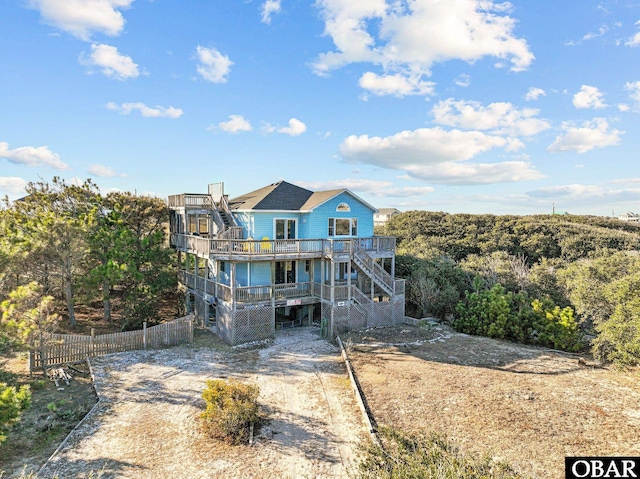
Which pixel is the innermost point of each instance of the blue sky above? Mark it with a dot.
(459, 105)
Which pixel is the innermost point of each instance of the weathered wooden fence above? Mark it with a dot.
(68, 348)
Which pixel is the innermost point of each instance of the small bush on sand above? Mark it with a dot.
(425, 457)
(232, 410)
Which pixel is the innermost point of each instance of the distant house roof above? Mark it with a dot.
(388, 211)
(629, 216)
(283, 196)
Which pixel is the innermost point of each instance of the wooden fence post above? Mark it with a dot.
(93, 345)
(144, 335)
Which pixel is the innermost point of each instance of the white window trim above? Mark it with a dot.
(285, 219)
(350, 235)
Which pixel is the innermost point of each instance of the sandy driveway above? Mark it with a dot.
(145, 424)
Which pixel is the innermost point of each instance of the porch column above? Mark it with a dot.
(323, 265)
(393, 271)
(349, 280)
(333, 281)
(232, 281)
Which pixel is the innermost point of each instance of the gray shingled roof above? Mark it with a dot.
(283, 196)
(277, 196)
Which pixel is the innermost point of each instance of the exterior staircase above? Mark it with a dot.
(373, 270)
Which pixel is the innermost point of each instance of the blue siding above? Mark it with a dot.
(262, 224)
(312, 225)
(260, 273)
(319, 218)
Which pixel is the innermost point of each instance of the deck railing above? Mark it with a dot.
(254, 248)
(189, 200)
(251, 294)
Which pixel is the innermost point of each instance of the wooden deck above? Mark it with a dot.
(282, 250)
(307, 292)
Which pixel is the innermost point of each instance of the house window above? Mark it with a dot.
(285, 272)
(285, 229)
(343, 227)
(191, 224)
(203, 225)
(343, 207)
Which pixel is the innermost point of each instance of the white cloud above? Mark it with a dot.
(32, 156)
(593, 194)
(269, 7)
(601, 31)
(499, 118)
(397, 84)
(534, 93)
(375, 188)
(634, 89)
(295, 128)
(463, 80)
(634, 41)
(12, 185)
(410, 37)
(439, 156)
(588, 97)
(623, 107)
(592, 134)
(112, 63)
(236, 124)
(146, 111)
(102, 171)
(213, 66)
(83, 17)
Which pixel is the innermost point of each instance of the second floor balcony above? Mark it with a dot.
(257, 250)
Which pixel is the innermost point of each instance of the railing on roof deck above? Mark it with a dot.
(190, 201)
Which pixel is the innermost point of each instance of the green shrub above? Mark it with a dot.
(495, 313)
(501, 314)
(425, 457)
(12, 402)
(555, 327)
(232, 410)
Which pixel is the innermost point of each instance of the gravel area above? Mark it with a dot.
(145, 425)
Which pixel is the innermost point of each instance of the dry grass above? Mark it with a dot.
(526, 406)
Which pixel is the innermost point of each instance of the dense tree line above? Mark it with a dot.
(560, 281)
(76, 246)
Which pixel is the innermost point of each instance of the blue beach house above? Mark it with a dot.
(283, 256)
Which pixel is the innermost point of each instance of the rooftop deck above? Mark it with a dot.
(190, 200)
(255, 250)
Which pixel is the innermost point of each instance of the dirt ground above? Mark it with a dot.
(145, 425)
(528, 406)
(54, 411)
